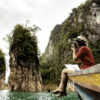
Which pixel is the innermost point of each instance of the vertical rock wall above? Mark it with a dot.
(24, 65)
(2, 70)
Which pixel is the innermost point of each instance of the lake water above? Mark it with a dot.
(6, 95)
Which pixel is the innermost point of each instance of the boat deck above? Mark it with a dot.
(88, 79)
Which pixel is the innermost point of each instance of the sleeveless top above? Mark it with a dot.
(86, 57)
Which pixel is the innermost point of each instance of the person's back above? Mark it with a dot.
(86, 57)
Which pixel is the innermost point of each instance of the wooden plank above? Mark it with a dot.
(88, 78)
(91, 87)
(91, 81)
(87, 82)
(91, 70)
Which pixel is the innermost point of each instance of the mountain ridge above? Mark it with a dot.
(84, 20)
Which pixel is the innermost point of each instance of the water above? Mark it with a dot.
(6, 95)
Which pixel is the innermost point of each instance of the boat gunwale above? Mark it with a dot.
(91, 70)
(91, 87)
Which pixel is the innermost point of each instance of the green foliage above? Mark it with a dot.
(55, 32)
(95, 48)
(24, 43)
(51, 72)
(96, 55)
(2, 61)
(85, 5)
(8, 38)
(96, 1)
(62, 41)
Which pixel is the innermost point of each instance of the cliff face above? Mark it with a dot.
(24, 65)
(84, 20)
(2, 80)
(52, 42)
(2, 71)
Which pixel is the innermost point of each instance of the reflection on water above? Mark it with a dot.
(6, 95)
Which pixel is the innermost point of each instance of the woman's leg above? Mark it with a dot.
(64, 80)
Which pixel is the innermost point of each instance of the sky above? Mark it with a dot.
(43, 13)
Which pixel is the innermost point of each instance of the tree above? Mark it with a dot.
(24, 43)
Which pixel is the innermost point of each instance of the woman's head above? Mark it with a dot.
(82, 41)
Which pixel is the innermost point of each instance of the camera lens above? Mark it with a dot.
(75, 44)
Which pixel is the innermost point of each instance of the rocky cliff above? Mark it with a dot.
(24, 65)
(2, 71)
(84, 20)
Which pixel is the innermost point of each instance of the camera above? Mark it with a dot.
(74, 44)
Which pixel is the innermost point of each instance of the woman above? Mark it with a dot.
(81, 54)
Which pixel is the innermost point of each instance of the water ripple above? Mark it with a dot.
(6, 95)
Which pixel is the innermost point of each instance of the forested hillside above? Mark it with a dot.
(84, 20)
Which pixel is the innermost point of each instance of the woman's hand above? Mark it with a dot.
(73, 48)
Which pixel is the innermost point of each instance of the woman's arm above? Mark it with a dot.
(75, 56)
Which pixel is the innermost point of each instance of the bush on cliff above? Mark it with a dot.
(24, 43)
(2, 61)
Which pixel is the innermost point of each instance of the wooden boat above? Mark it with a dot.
(87, 83)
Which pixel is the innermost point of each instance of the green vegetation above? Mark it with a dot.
(95, 48)
(96, 1)
(74, 25)
(24, 43)
(86, 5)
(2, 62)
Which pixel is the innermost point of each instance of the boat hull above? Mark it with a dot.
(87, 83)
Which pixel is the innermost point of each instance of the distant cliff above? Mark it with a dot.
(84, 20)
(2, 70)
(24, 64)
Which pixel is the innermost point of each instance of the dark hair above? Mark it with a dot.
(80, 42)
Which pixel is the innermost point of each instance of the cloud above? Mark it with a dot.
(44, 13)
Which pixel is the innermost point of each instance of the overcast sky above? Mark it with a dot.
(43, 13)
